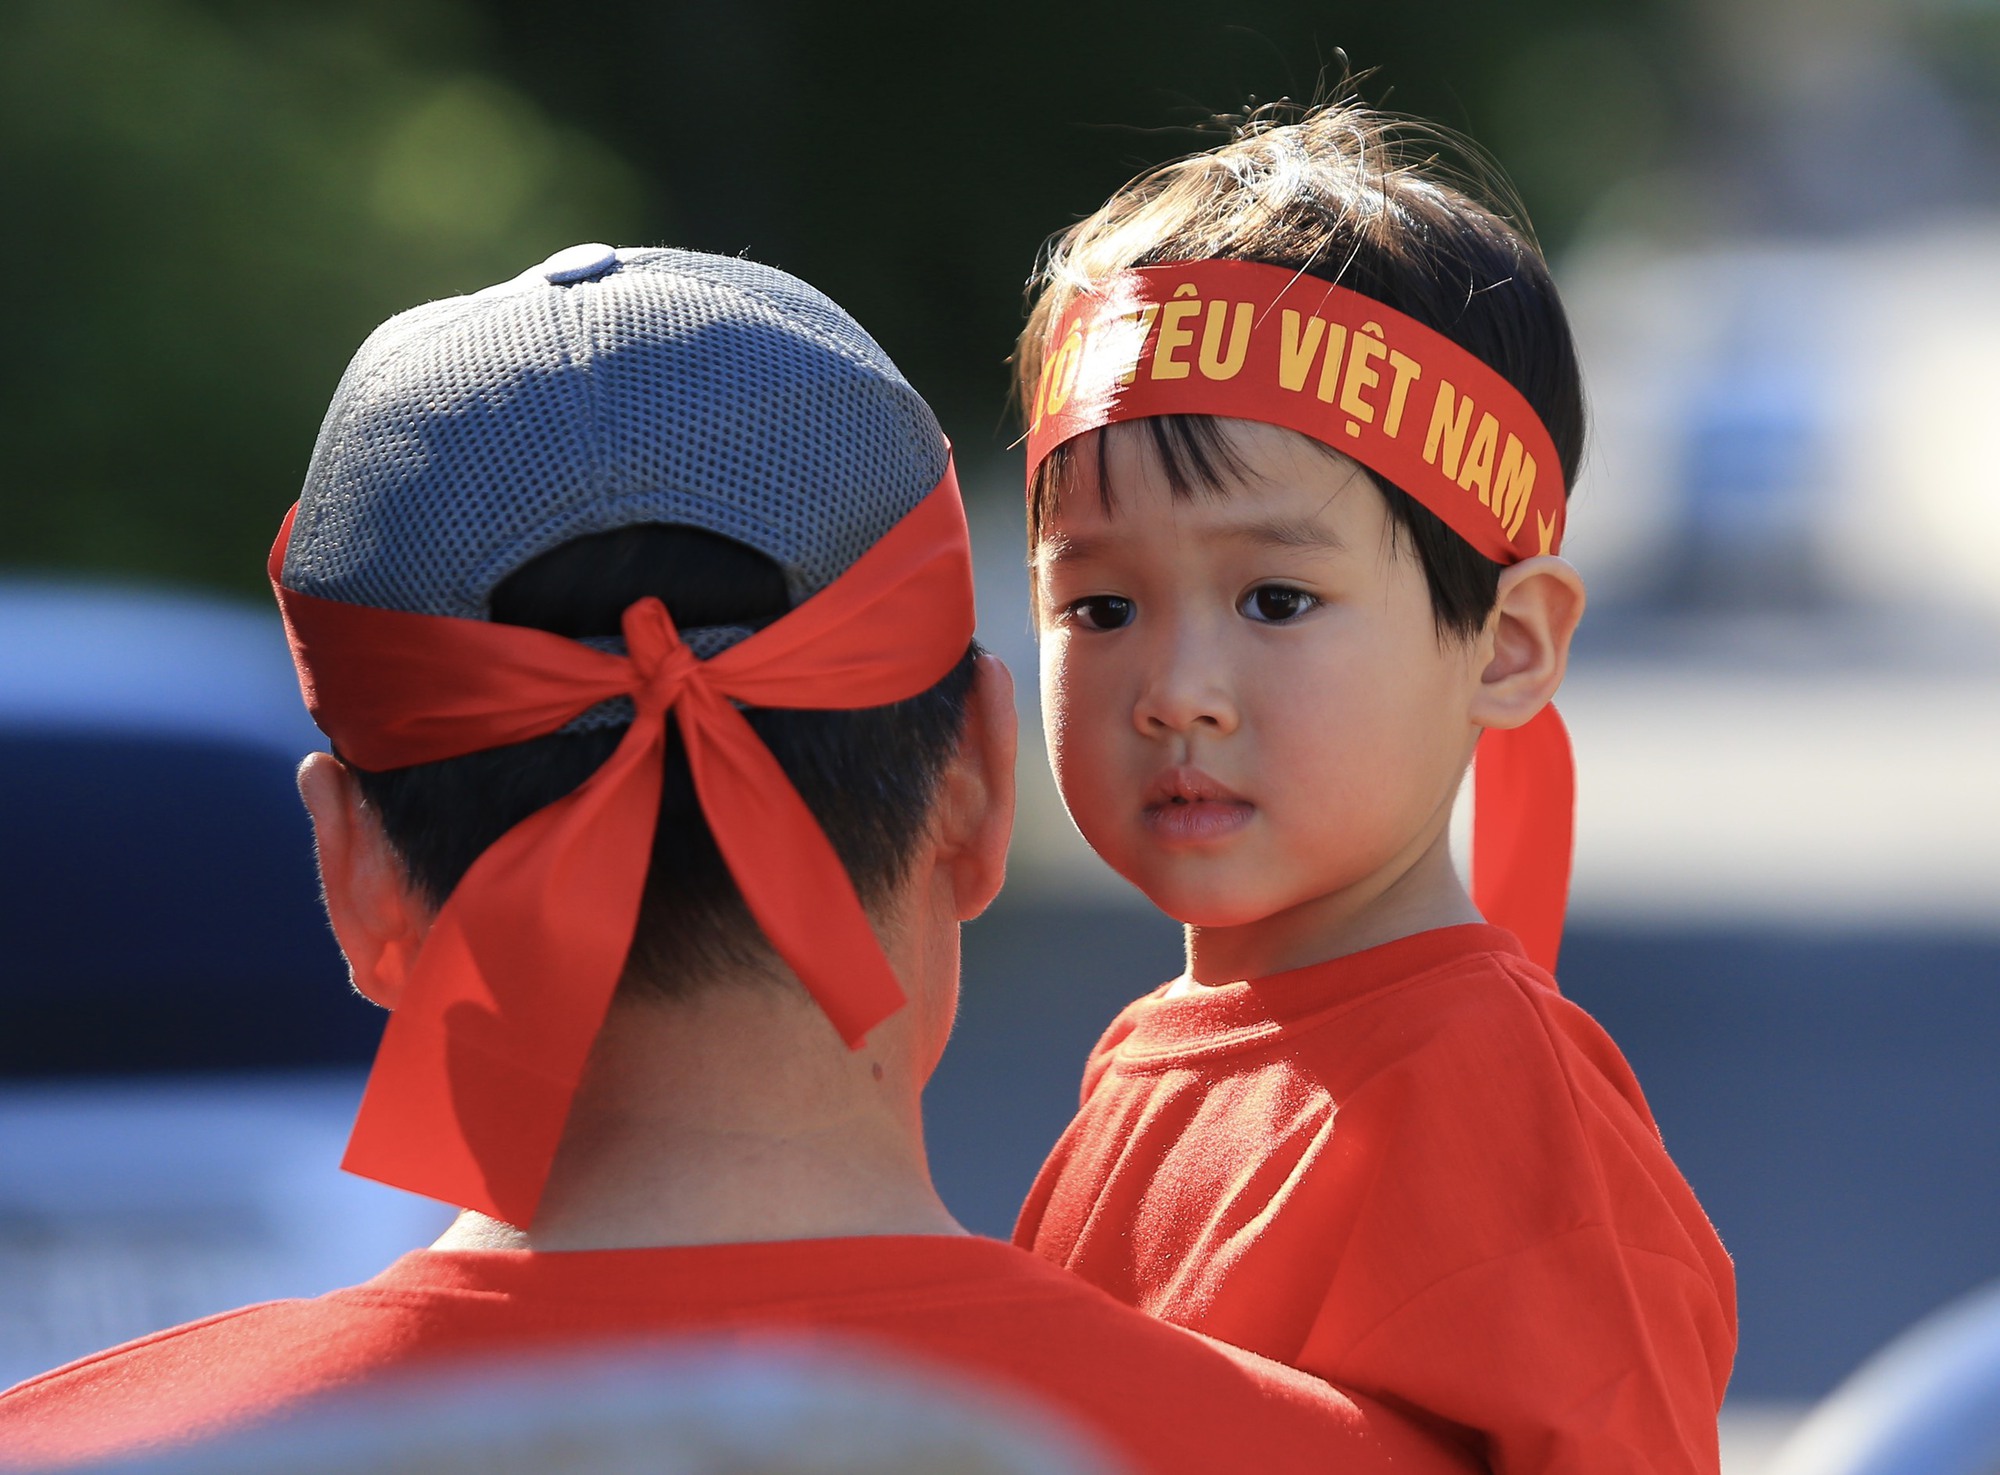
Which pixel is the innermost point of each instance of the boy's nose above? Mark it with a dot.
(1185, 694)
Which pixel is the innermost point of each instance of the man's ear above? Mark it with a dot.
(1525, 645)
(377, 918)
(975, 809)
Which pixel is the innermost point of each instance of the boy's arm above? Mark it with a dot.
(1529, 1263)
(1577, 1355)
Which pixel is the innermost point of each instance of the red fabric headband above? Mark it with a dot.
(1253, 342)
(498, 1010)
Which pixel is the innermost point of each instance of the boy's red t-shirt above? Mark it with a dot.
(1418, 1172)
(1163, 1400)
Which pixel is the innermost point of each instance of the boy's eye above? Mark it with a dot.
(1274, 604)
(1102, 612)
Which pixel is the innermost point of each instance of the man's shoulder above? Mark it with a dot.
(1212, 1405)
(1170, 1398)
(207, 1374)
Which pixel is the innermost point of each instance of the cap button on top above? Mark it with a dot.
(579, 263)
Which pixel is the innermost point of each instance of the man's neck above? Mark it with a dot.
(734, 1116)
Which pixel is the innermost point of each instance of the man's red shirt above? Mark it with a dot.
(1166, 1401)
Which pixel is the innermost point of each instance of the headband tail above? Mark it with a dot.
(1523, 830)
(790, 876)
(496, 1017)
(481, 1057)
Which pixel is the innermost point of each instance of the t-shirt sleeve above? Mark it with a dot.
(1577, 1355)
(1534, 1268)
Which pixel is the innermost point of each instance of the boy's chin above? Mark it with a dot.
(1201, 906)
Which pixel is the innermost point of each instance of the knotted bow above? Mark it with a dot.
(499, 1007)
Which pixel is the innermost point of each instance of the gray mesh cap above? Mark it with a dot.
(600, 389)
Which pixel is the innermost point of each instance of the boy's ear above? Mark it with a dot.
(1525, 645)
(975, 809)
(377, 918)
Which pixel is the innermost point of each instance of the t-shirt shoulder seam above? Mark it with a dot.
(139, 1345)
(1699, 1272)
(1559, 1058)
(977, 1292)
(1494, 963)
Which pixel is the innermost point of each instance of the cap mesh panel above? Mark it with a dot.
(474, 434)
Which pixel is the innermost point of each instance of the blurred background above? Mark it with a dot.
(1776, 222)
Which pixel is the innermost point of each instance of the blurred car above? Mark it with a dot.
(1926, 1404)
(180, 1053)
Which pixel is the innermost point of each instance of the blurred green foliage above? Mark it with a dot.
(212, 201)
(208, 209)
(909, 158)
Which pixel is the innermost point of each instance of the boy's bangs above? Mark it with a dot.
(1194, 453)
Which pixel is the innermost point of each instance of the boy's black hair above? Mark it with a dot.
(868, 775)
(1353, 196)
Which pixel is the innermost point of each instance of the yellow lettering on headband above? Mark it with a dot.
(1244, 340)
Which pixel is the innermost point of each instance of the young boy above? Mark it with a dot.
(1294, 548)
(634, 594)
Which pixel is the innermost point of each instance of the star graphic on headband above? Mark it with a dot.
(1545, 529)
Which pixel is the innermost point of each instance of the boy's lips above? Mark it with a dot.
(1185, 804)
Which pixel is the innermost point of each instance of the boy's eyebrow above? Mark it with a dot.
(1308, 533)
(1286, 532)
(1060, 548)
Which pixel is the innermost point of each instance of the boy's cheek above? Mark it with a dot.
(1087, 735)
(1054, 657)
(1073, 706)
(1095, 794)
(1086, 787)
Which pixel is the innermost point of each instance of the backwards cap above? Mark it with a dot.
(599, 390)
(602, 389)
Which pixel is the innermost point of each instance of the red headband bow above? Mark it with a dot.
(480, 1060)
(1255, 342)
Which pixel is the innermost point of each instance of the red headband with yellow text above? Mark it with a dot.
(1246, 341)
(498, 1005)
